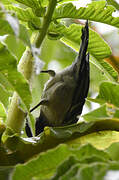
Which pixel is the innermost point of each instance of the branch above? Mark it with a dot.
(46, 22)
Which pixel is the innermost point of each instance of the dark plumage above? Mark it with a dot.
(64, 94)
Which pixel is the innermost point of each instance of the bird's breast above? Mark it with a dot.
(59, 97)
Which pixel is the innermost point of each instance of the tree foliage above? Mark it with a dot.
(32, 34)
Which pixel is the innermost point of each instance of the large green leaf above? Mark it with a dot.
(8, 69)
(64, 163)
(109, 92)
(4, 96)
(25, 15)
(113, 3)
(106, 69)
(73, 135)
(29, 3)
(113, 151)
(72, 36)
(44, 166)
(16, 46)
(98, 171)
(100, 71)
(97, 47)
(100, 139)
(8, 1)
(97, 114)
(62, 1)
(7, 29)
(74, 172)
(96, 11)
(44, 3)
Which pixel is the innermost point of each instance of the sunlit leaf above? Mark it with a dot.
(65, 166)
(113, 151)
(44, 3)
(14, 23)
(106, 69)
(95, 11)
(24, 14)
(96, 139)
(2, 113)
(44, 166)
(72, 36)
(62, 1)
(5, 28)
(73, 135)
(8, 1)
(100, 71)
(113, 3)
(90, 171)
(8, 69)
(4, 96)
(16, 46)
(109, 92)
(29, 3)
(97, 114)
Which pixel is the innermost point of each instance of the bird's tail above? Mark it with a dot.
(82, 75)
(83, 49)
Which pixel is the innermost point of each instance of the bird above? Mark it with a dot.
(64, 94)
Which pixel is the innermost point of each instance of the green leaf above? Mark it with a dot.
(75, 135)
(15, 46)
(62, 1)
(113, 3)
(113, 151)
(8, 69)
(44, 166)
(44, 3)
(100, 140)
(2, 113)
(4, 96)
(71, 172)
(97, 114)
(72, 37)
(89, 170)
(93, 171)
(25, 15)
(22, 14)
(65, 166)
(96, 11)
(106, 69)
(23, 35)
(65, 169)
(29, 3)
(109, 93)
(8, 1)
(6, 29)
(5, 83)
(99, 73)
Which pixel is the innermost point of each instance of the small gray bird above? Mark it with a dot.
(65, 93)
